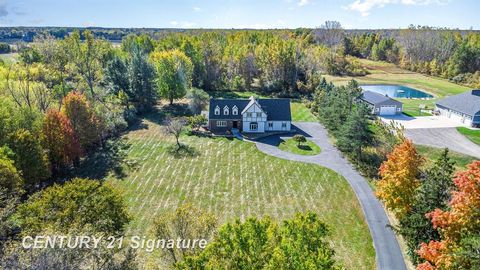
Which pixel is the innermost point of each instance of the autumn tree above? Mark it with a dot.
(399, 178)
(30, 157)
(11, 181)
(186, 222)
(86, 57)
(298, 243)
(459, 226)
(75, 205)
(59, 139)
(86, 126)
(434, 193)
(174, 74)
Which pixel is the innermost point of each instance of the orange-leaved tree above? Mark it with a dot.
(460, 222)
(399, 178)
(59, 139)
(84, 122)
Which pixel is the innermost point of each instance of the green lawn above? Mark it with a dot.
(309, 148)
(233, 179)
(385, 73)
(472, 135)
(300, 113)
(433, 153)
(411, 106)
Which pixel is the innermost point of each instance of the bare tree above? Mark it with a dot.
(331, 33)
(175, 128)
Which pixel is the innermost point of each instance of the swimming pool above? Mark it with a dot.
(396, 91)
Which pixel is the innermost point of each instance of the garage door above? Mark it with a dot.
(388, 110)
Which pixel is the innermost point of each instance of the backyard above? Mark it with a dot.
(233, 179)
(385, 73)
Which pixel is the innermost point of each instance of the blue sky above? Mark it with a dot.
(240, 13)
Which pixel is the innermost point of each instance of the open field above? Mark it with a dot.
(385, 73)
(233, 179)
(472, 135)
(308, 148)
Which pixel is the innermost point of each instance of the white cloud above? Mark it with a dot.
(303, 2)
(174, 23)
(197, 9)
(365, 6)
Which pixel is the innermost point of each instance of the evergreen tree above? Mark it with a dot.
(434, 192)
(355, 134)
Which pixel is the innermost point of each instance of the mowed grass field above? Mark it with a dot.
(386, 73)
(232, 179)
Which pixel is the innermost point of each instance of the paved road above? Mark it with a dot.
(444, 137)
(422, 122)
(386, 246)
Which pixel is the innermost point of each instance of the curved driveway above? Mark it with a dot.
(386, 246)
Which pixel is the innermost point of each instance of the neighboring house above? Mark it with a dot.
(464, 108)
(249, 115)
(380, 104)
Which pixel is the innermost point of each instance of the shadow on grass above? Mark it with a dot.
(305, 147)
(182, 151)
(111, 158)
(158, 115)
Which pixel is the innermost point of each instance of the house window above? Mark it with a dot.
(270, 124)
(235, 110)
(284, 125)
(226, 111)
(259, 114)
(253, 126)
(249, 114)
(217, 110)
(221, 123)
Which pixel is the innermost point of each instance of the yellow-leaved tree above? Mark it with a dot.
(399, 178)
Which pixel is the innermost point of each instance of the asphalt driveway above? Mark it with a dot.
(389, 255)
(422, 122)
(444, 138)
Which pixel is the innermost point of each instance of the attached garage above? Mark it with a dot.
(463, 108)
(380, 104)
(388, 110)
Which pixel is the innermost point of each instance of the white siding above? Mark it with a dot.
(254, 114)
(278, 126)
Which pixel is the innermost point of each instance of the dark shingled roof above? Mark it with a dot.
(467, 102)
(376, 98)
(277, 109)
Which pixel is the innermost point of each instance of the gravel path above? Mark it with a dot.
(389, 255)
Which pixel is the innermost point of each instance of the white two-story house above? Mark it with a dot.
(249, 115)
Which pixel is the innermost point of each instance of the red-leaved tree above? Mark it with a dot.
(59, 139)
(461, 221)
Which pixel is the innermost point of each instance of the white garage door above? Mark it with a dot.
(388, 110)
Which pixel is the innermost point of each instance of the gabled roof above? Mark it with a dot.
(252, 101)
(277, 109)
(467, 102)
(377, 99)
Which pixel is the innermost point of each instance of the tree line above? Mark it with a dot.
(447, 53)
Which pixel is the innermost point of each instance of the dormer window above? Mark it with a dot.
(217, 110)
(235, 110)
(226, 111)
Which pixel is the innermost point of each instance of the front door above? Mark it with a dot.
(235, 124)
